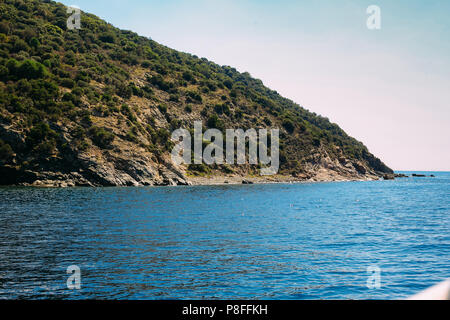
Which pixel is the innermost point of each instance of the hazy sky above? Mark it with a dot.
(389, 88)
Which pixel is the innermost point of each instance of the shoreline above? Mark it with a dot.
(279, 179)
(223, 180)
(212, 180)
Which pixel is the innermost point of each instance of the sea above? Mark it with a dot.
(334, 240)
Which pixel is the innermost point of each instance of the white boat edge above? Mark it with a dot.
(441, 291)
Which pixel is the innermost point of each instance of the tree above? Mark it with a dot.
(31, 69)
(27, 69)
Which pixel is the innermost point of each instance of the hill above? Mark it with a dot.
(97, 106)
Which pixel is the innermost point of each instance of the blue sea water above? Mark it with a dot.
(277, 241)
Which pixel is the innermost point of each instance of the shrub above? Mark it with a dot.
(146, 64)
(204, 89)
(107, 37)
(4, 72)
(148, 91)
(228, 84)
(34, 42)
(238, 114)
(288, 125)
(27, 69)
(46, 147)
(20, 45)
(227, 169)
(101, 137)
(4, 27)
(159, 82)
(175, 124)
(174, 97)
(162, 137)
(6, 152)
(124, 91)
(86, 118)
(212, 86)
(126, 110)
(40, 132)
(67, 83)
(70, 58)
(136, 90)
(222, 108)
(316, 141)
(160, 69)
(77, 91)
(44, 92)
(214, 122)
(78, 133)
(188, 76)
(201, 168)
(195, 96)
(162, 108)
(131, 136)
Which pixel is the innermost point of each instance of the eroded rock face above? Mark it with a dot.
(128, 168)
(90, 170)
(11, 135)
(125, 164)
(359, 167)
(136, 171)
(321, 167)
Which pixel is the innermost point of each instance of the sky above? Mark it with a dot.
(389, 87)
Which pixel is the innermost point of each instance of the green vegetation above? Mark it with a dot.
(214, 122)
(288, 125)
(6, 152)
(26, 69)
(101, 137)
(59, 86)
